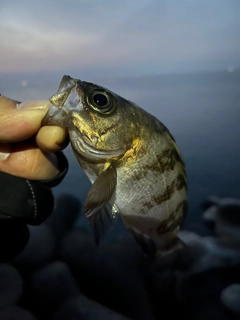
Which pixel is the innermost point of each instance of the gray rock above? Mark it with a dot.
(225, 214)
(39, 250)
(120, 279)
(14, 236)
(162, 288)
(51, 286)
(78, 250)
(214, 200)
(11, 285)
(199, 295)
(15, 313)
(211, 200)
(210, 215)
(230, 298)
(205, 253)
(64, 215)
(86, 309)
(112, 274)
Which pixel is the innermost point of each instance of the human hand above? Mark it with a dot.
(30, 163)
(26, 148)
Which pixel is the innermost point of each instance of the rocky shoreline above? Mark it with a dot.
(61, 274)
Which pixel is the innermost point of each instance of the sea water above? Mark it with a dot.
(202, 111)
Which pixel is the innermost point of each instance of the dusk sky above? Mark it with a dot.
(121, 37)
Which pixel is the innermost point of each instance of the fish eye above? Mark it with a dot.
(100, 101)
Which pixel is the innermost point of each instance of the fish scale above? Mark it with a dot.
(130, 157)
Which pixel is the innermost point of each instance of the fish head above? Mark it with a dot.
(99, 122)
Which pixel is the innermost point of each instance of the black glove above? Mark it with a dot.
(24, 202)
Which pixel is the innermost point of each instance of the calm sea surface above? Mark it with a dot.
(202, 111)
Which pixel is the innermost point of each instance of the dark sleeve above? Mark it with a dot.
(63, 167)
(29, 201)
(23, 202)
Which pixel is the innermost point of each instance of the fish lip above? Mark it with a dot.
(66, 85)
(83, 134)
(89, 141)
(80, 142)
(83, 144)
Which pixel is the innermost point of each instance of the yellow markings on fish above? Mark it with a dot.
(132, 153)
(82, 125)
(130, 157)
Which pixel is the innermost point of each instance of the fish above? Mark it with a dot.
(132, 160)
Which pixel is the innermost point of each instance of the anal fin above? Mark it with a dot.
(145, 242)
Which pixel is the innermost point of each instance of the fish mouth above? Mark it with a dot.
(86, 147)
(65, 112)
(64, 89)
(84, 142)
(63, 104)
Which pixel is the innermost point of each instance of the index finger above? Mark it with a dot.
(20, 121)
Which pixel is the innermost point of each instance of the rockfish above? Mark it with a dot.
(129, 156)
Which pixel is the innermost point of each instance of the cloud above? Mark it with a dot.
(137, 34)
(54, 34)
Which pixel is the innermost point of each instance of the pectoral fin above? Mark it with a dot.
(101, 191)
(103, 221)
